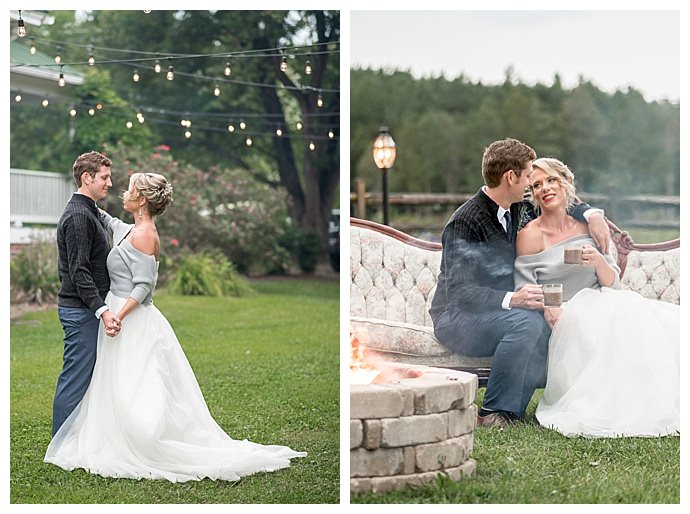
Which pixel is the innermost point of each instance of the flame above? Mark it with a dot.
(361, 372)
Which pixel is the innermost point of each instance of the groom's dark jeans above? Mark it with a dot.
(81, 336)
(517, 339)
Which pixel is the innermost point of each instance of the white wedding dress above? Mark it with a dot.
(143, 415)
(613, 362)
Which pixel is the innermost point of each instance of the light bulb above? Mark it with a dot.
(307, 67)
(58, 59)
(171, 73)
(188, 134)
(228, 69)
(299, 125)
(284, 64)
(231, 128)
(61, 80)
(73, 112)
(135, 76)
(243, 125)
(319, 101)
(92, 60)
(33, 47)
(129, 124)
(92, 111)
(312, 146)
(279, 132)
(18, 98)
(331, 135)
(157, 66)
(21, 29)
(216, 90)
(45, 102)
(99, 106)
(248, 142)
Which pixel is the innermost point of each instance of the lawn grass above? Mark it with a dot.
(526, 463)
(268, 369)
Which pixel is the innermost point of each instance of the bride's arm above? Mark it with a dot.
(143, 272)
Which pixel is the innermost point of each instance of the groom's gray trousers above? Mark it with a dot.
(518, 341)
(79, 357)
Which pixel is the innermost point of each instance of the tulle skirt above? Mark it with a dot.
(613, 367)
(144, 416)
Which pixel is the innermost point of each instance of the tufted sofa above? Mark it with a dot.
(393, 279)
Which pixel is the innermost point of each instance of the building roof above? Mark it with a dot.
(38, 74)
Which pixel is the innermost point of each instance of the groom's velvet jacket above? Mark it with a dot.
(82, 253)
(477, 260)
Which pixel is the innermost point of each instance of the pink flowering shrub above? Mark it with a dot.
(213, 209)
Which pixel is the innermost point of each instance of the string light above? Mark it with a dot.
(243, 125)
(307, 67)
(140, 117)
(188, 134)
(45, 102)
(147, 12)
(92, 59)
(135, 76)
(129, 124)
(319, 101)
(157, 66)
(231, 127)
(73, 112)
(33, 46)
(312, 146)
(279, 132)
(216, 90)
(283, 64)
(61, 80)
(228, 70)
(249, 141)
(18, 98)
(171, 73)
(331, 135)
(92, 111)
(21, 29)
(299, 125)
(58, 59)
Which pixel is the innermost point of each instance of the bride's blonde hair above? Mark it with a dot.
(555, 168)
(155, 188)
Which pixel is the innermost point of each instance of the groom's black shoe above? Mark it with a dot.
(495, 419)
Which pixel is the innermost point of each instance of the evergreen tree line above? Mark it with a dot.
(614, 142)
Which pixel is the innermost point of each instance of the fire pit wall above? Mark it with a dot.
(411, 430)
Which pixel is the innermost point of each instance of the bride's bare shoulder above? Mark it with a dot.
(529, 239)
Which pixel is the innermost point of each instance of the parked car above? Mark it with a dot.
(334, 239)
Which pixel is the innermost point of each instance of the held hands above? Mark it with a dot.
(599, 230)
(529, 296)
(112, 324)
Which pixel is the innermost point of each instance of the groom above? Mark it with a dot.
(475, 310)
(82, 251)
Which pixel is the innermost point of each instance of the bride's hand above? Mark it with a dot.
(551, 315)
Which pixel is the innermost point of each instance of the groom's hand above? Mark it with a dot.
(529, 296)
(599, 230)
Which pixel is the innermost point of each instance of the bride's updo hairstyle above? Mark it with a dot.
(156, 189)
(555, 168)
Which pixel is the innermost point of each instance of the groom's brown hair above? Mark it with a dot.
(501, 156)
(89, 162)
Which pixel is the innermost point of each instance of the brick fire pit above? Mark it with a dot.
(410, 430)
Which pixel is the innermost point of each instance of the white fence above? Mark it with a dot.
(37, 198)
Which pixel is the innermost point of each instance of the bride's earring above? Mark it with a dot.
(140, 215)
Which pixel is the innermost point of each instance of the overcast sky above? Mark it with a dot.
(612, 49)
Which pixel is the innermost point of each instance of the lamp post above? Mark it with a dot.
(384, 157)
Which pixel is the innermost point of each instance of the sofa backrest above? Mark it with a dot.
(393, 275)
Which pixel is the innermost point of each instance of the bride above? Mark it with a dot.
(613, 362)
(143, 415)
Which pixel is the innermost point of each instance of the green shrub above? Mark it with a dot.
(33, 273)
(207, 274)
